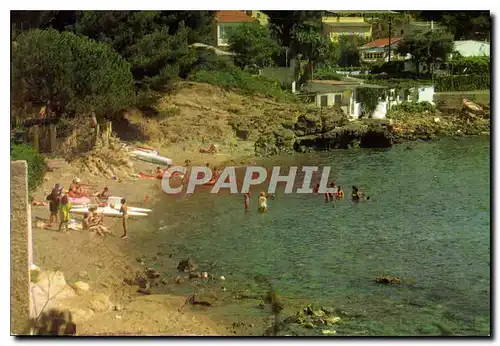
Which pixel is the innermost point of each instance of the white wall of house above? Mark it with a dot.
(222, 29)
(380, 111)
(426, 93)
(472, 48)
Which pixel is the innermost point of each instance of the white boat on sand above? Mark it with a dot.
(106, 211)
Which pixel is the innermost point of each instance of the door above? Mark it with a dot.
(324, 101)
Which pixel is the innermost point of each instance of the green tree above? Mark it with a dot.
(75, 74)
(464, 25)
(156, 43)
(349, 53)
(253, 45)
(283, 23)
(429, 47)
(314, 46)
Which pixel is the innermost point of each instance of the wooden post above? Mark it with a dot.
(53, 137)
(36, 137)
(97, 132)
(19, 249)
(108, 130)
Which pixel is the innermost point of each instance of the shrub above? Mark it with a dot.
(462, 83)
(35, 161)
(414, 107)
(234, 78)
(471, 65)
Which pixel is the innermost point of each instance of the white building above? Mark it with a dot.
(472, 48)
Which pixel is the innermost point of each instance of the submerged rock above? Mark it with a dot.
(187, 265)
(203, 299)
(388, 280)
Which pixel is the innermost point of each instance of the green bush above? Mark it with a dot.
(471, 65)
(36, 163)
(414, 107)
(462, 83)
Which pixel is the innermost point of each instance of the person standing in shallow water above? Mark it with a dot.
(124, 211)
(262, 202)
(247, 201)
(340, 193)
(355, 195)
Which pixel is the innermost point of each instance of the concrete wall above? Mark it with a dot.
(19, 244)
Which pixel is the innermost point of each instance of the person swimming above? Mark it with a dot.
(331, 194)
(262, 202)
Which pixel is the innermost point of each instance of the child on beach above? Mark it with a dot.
(124, 211)
(54, 200)
(262, 202)
(64, 208)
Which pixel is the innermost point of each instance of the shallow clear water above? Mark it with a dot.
(428, 222)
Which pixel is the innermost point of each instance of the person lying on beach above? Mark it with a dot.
(76, 189)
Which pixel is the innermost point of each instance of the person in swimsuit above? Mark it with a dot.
(340, 193)
(124, 211)
(355, 194)
(104, 195)
(159, 173)
(247, 201)
(64, 208)
(330, 194)
(262, 202)
(316, 189)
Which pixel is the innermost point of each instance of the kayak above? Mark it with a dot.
(151, 156)
(106, 211)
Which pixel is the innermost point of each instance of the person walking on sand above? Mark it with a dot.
(64, 208)
(262, 202)
(54, 200)
(247, 201)
(124, 211)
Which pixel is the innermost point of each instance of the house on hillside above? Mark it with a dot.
(378, 51)
(227, 20)
(472, 48)
(343, 23)
(260, 16)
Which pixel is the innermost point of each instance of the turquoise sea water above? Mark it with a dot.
(428, 223)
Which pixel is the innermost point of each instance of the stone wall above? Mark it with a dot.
(19, 237)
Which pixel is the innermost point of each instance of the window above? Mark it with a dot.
(324, 100)
(338, 99)
(373, 56)
(222, 32)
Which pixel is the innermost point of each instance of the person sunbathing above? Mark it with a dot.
(76, 189)
(104, 195)
(94, 222)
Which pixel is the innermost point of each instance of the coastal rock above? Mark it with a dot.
(81, 287)
(203, 299)
(54, 284)
(81, 315)
(83, 275)
(152, 274)
(101, 303)
(164, 282)
(388, 280)
(141, 281)
(187, 265)
(118, 307)
(144, 291)
(179, 280)
(194, 275)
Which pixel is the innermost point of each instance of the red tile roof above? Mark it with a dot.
(380, 43)
(233, 17)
